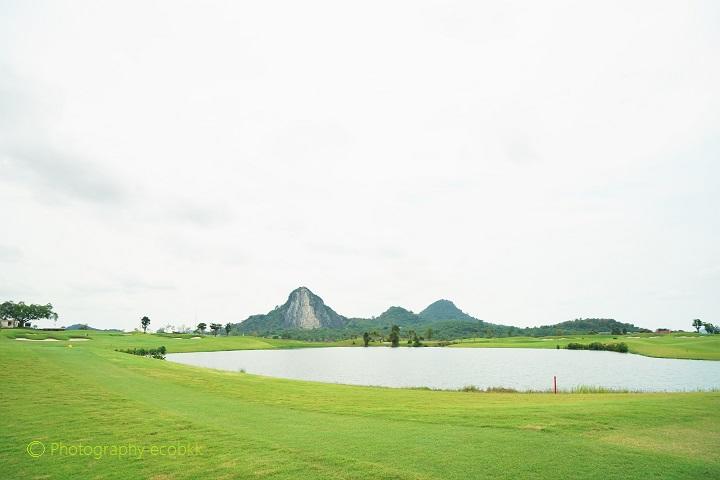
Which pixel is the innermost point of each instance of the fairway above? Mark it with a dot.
(677, 345)
(245, 426)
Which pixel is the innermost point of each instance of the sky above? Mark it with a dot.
(534, 162)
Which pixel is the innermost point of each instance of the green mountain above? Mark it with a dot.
(591, 325)
(444, 310)
(395, 316)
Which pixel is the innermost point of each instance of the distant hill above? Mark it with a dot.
(589, 325)
(84, 326)
(444, 310)
(80, 326)
(392, 316)
(305, 316)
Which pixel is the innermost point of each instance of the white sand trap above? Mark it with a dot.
(78, 339)
(195, 338)
(633, 337)
(653, 337)
(178, 338)
(38, 340)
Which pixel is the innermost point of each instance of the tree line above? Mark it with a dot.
(201, 327)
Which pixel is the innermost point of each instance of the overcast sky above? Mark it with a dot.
(532, 161)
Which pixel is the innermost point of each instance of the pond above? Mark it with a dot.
(454, 368)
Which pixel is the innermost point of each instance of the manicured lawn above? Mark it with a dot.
(246, 426)
(676, 345)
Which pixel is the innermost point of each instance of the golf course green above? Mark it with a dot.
(94, 412)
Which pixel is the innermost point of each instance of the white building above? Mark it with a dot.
(8, 323)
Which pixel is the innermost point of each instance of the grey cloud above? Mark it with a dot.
(16, 290)
(197, 214)
(10, 254)
(70, 176)
(28, 155)
(384, 252)
(126, 286)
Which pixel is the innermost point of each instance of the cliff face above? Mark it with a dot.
(303, 310)
(306, 310)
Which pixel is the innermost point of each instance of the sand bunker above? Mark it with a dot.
(37, 339)
(78, 339)
(195, 338)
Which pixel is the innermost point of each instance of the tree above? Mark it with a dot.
(201, 327)
(395, 336)
(366, 339)
(145, 321)
(215, 327)
(429, 334)
(697, 323)
(710, 328)
(228, 327)
(9, 311)
(23, 314)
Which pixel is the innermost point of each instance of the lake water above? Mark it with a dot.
(453, 368)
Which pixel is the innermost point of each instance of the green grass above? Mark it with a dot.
(249, 426)
(174, 343)
(676, 345)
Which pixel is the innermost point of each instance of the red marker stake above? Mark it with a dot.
(555, 383)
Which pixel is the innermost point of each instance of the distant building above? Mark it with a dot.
(663, 330)
(8, 323)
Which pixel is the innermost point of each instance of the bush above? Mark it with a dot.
(473, 388)
(611, 347)
(158, 353)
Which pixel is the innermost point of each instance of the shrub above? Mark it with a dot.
(474, 389)
(611, 347)
(158, 353)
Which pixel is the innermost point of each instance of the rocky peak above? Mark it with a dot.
(306, 310)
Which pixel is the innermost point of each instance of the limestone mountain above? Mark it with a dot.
(303, 310)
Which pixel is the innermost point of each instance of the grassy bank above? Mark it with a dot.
(246, 426)
(676, 345)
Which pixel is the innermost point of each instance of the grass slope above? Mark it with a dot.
(249, 426)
